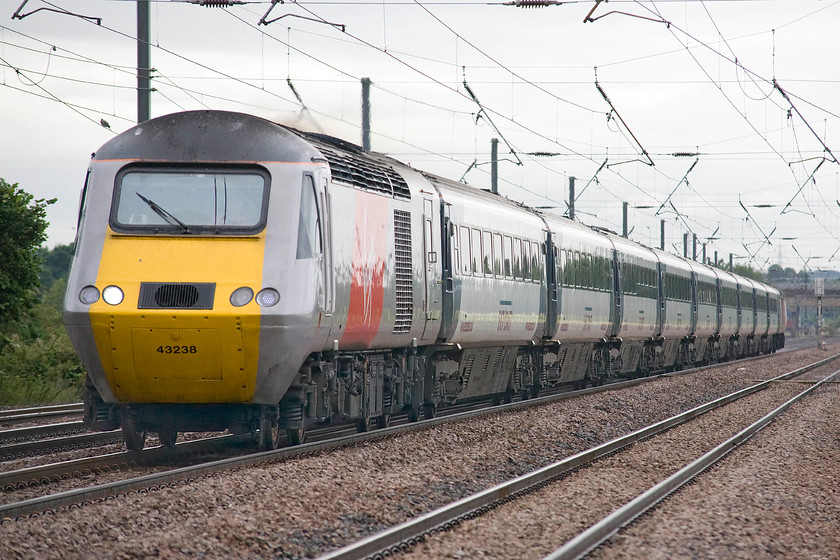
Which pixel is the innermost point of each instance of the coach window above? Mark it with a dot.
(561, 267)
(587, 270)
(536, 262)
(568, 267)
(466, 254)
(508, 252)
(601, 271)
(487, 246)
(498, 249)
(517, 258)
(476, 252)
(456, 251)
(309, 225)
(526, 260)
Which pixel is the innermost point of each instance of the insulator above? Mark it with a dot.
(214, 3)
(535, 3)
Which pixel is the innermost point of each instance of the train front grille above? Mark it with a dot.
(168, 295)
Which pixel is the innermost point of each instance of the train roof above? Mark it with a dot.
(182, 137)
(673, 262)
(185, 137)
(727, 277)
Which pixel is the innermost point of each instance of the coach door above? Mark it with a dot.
(326, 257)
(552, 281)
(616, 313)
(695, 312)
(431, 258)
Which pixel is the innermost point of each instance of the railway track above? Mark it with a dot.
(603, 530)
(33, 433)
(40, 446)
(332, 498)
(403, 537)
(330, 438)
(17, 415)
(152, 457)
(322, 439)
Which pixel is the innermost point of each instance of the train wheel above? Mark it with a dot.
(133, 438)
(535, 391)
(525, 393)
(429, 410)
(269, 433)
(296, 436)
(383, 421)
(507, 396)
(168, 437)
(363, 424)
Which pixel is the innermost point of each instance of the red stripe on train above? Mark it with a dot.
(367, 270)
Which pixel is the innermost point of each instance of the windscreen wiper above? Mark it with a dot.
(164, 213)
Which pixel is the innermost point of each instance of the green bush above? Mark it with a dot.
(40, 371)
(37, 362)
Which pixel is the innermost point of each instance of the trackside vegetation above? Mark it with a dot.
(37, 362)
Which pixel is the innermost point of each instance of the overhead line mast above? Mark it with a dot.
(144, 87)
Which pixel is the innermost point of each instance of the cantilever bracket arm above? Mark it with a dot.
(18, 15)
(264, 21)
(643, 152)
(589, 17)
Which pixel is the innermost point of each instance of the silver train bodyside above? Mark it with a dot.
(395, 289)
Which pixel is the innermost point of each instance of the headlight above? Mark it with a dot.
(112, 295)
(89, 295)
(241, 296)
(268, 297)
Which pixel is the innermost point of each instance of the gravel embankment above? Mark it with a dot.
(777, 497)
(534, 525)
(307, 506)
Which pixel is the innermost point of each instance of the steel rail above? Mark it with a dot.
(32, 476)
(603, 530)
(69, 407)
(172, 477)
(23, 414)
(20, 434)
(407, 534)
(75, 441)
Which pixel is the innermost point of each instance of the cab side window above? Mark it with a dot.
(309, 225)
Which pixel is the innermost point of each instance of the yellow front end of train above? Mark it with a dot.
(155, 346)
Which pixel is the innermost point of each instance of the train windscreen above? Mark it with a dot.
(190, 201)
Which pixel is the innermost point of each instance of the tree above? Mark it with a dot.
(749, 272)
(23, 231)
(56, 264)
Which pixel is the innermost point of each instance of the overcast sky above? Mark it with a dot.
(682, 77)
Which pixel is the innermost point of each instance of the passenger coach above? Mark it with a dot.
(232, 273)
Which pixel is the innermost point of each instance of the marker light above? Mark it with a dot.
(89, 295)
(112, 295)
(268, 297)
(241, 296)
